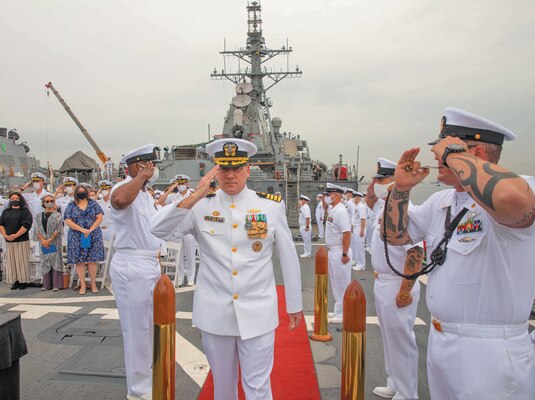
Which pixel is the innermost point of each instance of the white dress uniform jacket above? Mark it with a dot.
(107, 227)
(304, 213)
(134, 272)
(339, 273)
(235, 293)
(482, 297)
(34, 201)
(396, 324)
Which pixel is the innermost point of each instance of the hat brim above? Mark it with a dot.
(380, 176)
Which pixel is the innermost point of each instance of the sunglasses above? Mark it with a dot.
(49, 202)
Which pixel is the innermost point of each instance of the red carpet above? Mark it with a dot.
(293, 376)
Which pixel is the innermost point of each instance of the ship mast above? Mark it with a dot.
(255, 54)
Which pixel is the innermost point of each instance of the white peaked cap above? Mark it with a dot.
(303, 197)
(331, 187)
(143, 153)
(70, 179)
(385, 168)
(37, 176)
(468, 126)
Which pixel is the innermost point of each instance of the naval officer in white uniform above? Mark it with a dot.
(135, 268)
(186, 266)
(304, 225)
(235, 300)
(480, 297)
(320, 216)
(33, 199)
(396, 299)
(107, 222)
(338, 240)
(358, 232)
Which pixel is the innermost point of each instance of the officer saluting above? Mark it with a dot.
(480, 297)
(135, 267)
(235, 301)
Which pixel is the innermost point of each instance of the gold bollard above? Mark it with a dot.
(353, 343)
(163, 360)
(321, 333)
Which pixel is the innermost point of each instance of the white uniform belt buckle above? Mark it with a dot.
(437, 325)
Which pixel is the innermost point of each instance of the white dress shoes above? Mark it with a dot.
(384, 392)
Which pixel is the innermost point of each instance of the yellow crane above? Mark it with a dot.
(99, 152)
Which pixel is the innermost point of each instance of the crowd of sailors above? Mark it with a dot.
(479, 293)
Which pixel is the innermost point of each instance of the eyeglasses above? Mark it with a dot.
(49, 201)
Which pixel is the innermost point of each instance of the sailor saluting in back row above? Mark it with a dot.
(235, 301)
(481, 296)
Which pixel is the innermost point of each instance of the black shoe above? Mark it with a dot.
(23, 286)
(15, 285)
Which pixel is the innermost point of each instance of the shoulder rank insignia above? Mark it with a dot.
(210, 195)
(268, 196)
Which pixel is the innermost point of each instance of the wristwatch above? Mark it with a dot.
(452, 148)
(344, 254)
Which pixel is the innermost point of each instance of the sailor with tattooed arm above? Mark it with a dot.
(480, 293)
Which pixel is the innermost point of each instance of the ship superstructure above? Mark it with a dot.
(283, 162)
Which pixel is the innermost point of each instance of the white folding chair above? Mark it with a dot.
(171, 261)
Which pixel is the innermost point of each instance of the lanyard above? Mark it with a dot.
(438, 255)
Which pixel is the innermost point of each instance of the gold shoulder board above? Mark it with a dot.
(210, 195)
(268, 196)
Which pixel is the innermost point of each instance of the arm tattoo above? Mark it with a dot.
(527, 219)
(470, 181)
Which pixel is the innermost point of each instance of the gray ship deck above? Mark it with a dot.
(75, 349)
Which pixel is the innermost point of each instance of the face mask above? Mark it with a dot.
(328, 200)
(69, 189)
(81, 195)
(49, 205)
(155, 175)
(36, 185)
(181, 188)
(104, 192)
(14, 203)
(381, 190)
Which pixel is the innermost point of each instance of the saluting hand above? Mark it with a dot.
(146, 172)
(203, 188)
(409, 172)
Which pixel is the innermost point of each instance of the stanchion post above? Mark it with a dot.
(163, 360)
(321, 332)
(353, 343)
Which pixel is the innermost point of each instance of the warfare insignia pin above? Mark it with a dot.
(257, 246)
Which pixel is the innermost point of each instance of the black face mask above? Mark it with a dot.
(81, 195)
(175, 190)
(15, 203)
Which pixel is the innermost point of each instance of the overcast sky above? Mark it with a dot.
(376, 74)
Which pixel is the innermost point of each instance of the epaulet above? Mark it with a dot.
(210, 195)
(268, 196)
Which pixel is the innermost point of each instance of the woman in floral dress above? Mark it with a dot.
(84, 240)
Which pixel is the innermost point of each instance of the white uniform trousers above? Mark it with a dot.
(357, 246)
(399, 342)
(253, 356)
(133, 278)
(307, 239)
(187, 259)
(369, 232)
(481, 362)
(321, 227)
(340, 277)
